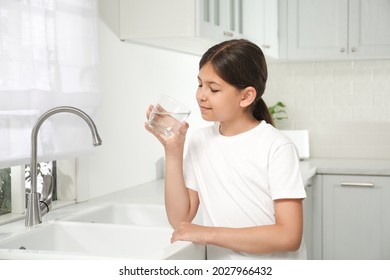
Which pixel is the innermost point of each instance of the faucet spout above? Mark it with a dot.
(33, 213)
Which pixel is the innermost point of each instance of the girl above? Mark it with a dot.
(241, 172)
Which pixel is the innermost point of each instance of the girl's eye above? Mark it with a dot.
(200, 85)
(214, 90)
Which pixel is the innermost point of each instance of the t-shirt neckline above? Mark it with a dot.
(244, 134)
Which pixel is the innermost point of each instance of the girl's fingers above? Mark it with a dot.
(157, 134)
(183, 128)
(148, 111)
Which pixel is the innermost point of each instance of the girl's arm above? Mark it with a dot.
(181, 203)
(284, 235)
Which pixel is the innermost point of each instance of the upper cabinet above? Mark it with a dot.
(190, 26)
(319, 29)
(220, 20)
(369, 28)
(265, 25)
(284, 29)
(338, 29)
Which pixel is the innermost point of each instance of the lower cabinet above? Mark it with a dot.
(355, 218)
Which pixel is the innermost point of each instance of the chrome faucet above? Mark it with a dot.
(33, 211)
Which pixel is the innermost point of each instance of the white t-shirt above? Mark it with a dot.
(239, 177)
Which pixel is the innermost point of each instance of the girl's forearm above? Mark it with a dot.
(284, 235)
(256, 240)
(177, 201)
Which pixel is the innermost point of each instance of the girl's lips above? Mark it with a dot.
(204, 109)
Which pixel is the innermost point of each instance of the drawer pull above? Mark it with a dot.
(352, 184)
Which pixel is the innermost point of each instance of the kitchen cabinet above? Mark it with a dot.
(355, 217)
(294, 29)
(220, 20)
(263, 25)
(338, 29)
(190, 26)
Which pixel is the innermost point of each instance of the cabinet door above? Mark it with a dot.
(220, 20)
(167, 19)
(356, 217)
(234, 17)
(260, 24)
(369, 28)
(317, 29)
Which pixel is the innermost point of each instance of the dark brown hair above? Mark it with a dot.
(241, 63)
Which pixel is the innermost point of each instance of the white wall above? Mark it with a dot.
(345, 105)
(132, 77)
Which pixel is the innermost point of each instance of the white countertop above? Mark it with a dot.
(376, 167)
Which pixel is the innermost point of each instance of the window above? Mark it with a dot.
(47, 175)
(49, 58)
(46, 170)
(5, 191)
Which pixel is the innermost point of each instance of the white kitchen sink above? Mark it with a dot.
(126, 214)
(75, 240)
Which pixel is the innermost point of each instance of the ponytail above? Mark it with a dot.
(260, 111)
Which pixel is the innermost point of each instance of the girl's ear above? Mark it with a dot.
(248, 96)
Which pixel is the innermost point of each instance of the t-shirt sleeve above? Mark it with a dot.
(285, 179)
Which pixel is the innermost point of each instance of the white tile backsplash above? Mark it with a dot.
(345, 105)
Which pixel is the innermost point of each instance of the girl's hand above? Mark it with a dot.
(171, 142)
(191, 232)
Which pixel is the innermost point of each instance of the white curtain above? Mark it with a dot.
(48, 58)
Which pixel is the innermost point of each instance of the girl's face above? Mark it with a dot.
(217, 99)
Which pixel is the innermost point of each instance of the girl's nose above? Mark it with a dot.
(201, 94)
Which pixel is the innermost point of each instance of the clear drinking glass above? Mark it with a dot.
(167, 115)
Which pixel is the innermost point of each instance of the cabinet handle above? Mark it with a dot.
(342, 50)
(353, 184)
(353, 49)
(228, 34)
(266, 46)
